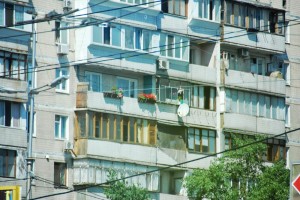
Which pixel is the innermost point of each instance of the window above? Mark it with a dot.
(60, 127)
(248, 16)
(117, 128)
(128, 86)
(209, 9)
(176, 7)
(276, 150)
(60, 173)
(287, 116)
(61, 36)
(137, 38)
(201, 140)
(287, 32)
(34, 123)
(11, 14)
(169, 90)
(108, 35)
(13, 65)
(174, 46)
(64, 86)
(10, 114)
(94, 80)
(287, 73)
(7, 163)
(204, 97)
(255, 104)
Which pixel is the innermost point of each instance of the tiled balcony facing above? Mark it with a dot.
(14, 85)
(13, 136)
(247, 80)
(254, 124)
(130, 106)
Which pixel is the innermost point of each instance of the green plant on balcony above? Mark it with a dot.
(147, 98)
(115, 93)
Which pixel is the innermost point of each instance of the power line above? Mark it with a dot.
(130, 52)
(95, 196)
(170, 166)
(149, 48)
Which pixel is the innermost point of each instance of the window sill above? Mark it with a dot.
(259, 31)
(60, 187)
(18, 29)
(116, 141)
(62, 91)
(203, 153)
(60, 139)
(206, 20)
(138, 51)
(174, 15)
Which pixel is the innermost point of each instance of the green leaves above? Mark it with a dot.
(240, 174)
(121, 190)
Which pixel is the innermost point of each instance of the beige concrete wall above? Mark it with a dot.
(49, 103)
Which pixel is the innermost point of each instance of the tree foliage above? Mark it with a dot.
(121, 190)
(240, 174)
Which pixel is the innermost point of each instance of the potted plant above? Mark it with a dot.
(147, 98)
(115, 93)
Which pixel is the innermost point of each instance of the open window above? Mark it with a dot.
(60, 173)
(176, 7)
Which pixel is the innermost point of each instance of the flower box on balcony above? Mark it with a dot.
(116, 94)
(147, 98)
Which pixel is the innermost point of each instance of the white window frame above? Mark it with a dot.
(14, 15)
(287, 115)
(87, 73)
(11, 115)
(287, 70)
(60, 122)
(129, 81)
(287, 32)
(66, 82)
(63, 24)
(215, 10)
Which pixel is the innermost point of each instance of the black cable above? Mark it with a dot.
(128, 52)
(38, 178)
(159, 46)
(170, 166)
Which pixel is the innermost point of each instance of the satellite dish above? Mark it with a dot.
(183, 110)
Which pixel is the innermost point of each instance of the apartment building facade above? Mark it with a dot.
(132, 65)
(14, 53)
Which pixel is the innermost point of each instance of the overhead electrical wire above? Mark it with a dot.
(170, 166)
(95, 196)
(128, 52)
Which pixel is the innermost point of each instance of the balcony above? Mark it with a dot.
(13, 136)
(15, 85)
(204, 28)
(203, 74)
(254, 124)
(260, 40)
(247, 80)
(164, 112)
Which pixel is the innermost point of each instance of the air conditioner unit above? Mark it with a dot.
(244, 52)
(62, 49)
(69, 145)
(68, 4)
(162, 64)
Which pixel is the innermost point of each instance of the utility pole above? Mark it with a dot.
(31, 99)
